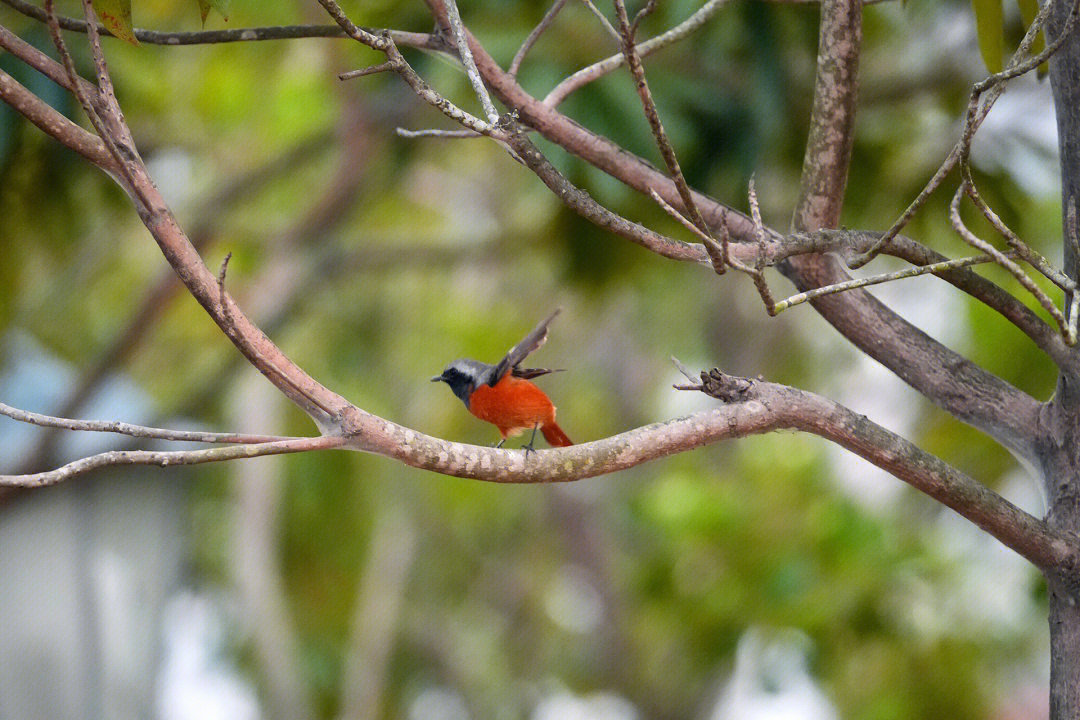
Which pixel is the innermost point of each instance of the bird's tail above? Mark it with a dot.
(555, 436)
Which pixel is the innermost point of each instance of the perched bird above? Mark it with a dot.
(502, 394)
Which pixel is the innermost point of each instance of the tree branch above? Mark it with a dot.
(544, 24)
(945, 377)
(170, 457)
(604, 67)
(633, 60)
(209, 37)
(122, 428)
(53, 123)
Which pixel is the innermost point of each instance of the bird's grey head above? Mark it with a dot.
(463, 376)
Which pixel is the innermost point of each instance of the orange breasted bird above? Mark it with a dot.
(503, 395)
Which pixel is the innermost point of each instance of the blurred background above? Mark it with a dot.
(774, 577)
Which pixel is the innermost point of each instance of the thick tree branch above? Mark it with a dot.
(751, 408)
(759, 408)
(945, 377)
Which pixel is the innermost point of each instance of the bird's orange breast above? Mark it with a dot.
(512, 405)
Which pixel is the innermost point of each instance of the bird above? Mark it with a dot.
(503, 394)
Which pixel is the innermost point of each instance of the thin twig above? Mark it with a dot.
(1022, 249)
(582, 203)
(166, 458)
(633, 61)
(131, 430)
(544, 24)
(603, 67)
(758, 275)
(372, 40)
(433, 133)
(685, 371)
(603, 20)
(647, 9)
(973, 120)
(718, 250)
(1001, 259)
(934, 268)
(385, 44)
(381, 67)
(221, 279)
(1072, 233)
(457, 28)
(209, 37)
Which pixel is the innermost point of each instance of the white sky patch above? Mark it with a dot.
(197, 681)
(771, 681)
(595, 706)
(572, 602)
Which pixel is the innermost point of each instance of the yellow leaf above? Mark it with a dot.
(115, 15)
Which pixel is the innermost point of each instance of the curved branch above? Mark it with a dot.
(756, 407)
(751, 407)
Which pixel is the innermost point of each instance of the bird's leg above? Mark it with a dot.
(529, 448)
(499, 444)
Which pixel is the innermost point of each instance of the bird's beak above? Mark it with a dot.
(437, 378)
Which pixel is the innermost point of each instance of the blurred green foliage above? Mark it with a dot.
(446, 249)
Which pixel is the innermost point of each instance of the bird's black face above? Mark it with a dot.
(461, 376)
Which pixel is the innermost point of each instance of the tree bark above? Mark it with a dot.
(1060, 429)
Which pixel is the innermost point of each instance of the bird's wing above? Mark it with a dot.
(529, 344)
(530, 373)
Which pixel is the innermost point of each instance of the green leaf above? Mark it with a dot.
(990, 27)
(1028, 10)
(115, 15)
(222, 6)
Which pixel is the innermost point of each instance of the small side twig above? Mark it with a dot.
(174, 457)
(1001, 259)
(758, 275)
(1022, 249)
(646, 10)
(131, 430)
(362, 72)
(932, 268)
(544, 24)
(685, 371)
(603, 20)
(603, 67)
(434, 133)
(221, 279)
